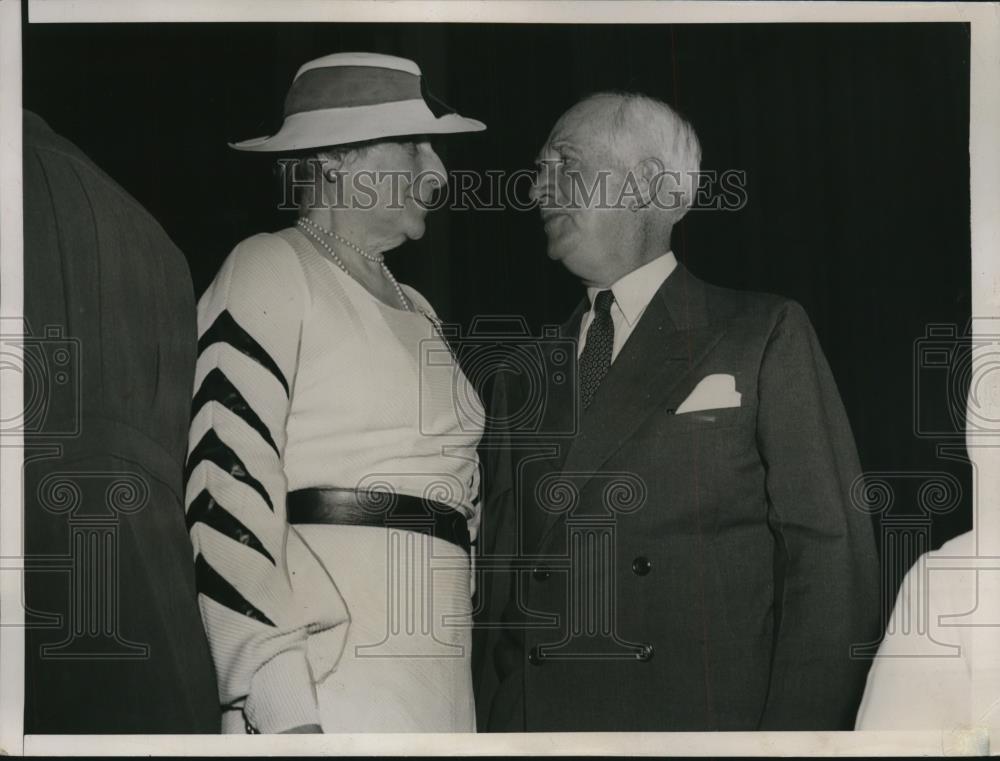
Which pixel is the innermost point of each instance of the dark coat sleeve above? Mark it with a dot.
(494, 581)
(826, 594)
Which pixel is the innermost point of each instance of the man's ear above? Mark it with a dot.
(649, 174)
(664, 187)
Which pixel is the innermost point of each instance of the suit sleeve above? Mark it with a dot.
(249, 324)
(826, 578)
(495, 581)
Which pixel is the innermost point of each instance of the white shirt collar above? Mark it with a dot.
(634, 291)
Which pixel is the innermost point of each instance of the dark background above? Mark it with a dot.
(854, 139)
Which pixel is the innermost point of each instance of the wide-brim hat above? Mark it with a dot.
(353, 97)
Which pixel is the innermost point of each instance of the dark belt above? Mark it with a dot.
(352, 507)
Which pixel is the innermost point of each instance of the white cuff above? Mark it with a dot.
(282, 695)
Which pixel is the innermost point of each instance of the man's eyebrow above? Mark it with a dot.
(561, 145)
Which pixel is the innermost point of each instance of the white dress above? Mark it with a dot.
(368, 629)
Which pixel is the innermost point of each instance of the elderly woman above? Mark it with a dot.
(333, 481)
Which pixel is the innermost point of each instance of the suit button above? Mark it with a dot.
(534, 657)
(541, 573)
(645, 653)
(641, 566)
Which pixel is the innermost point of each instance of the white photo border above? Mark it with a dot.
(984, 147)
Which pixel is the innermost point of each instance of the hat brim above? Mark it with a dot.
(338, 126)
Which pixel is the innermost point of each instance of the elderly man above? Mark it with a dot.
(689, 559)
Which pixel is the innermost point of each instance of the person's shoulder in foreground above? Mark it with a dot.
(922, 677)
(100, 271)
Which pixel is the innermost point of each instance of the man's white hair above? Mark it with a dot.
(640, 127)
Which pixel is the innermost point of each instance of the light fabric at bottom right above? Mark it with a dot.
(922, 678)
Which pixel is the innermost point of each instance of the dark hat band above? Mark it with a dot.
(350, 86)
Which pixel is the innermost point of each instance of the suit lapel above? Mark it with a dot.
(670, 340)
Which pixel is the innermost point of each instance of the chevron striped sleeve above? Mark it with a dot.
(249, 324)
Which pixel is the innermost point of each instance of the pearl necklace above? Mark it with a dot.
(305, 225)
(377, 258)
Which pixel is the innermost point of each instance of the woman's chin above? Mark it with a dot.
(416, 230)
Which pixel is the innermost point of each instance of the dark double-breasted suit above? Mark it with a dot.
(663, 569)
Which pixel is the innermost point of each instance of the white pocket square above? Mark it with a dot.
(713, 392)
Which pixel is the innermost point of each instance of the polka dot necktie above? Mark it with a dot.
(596, 357)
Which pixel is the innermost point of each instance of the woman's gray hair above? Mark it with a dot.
(640, 127)
(300, 178)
